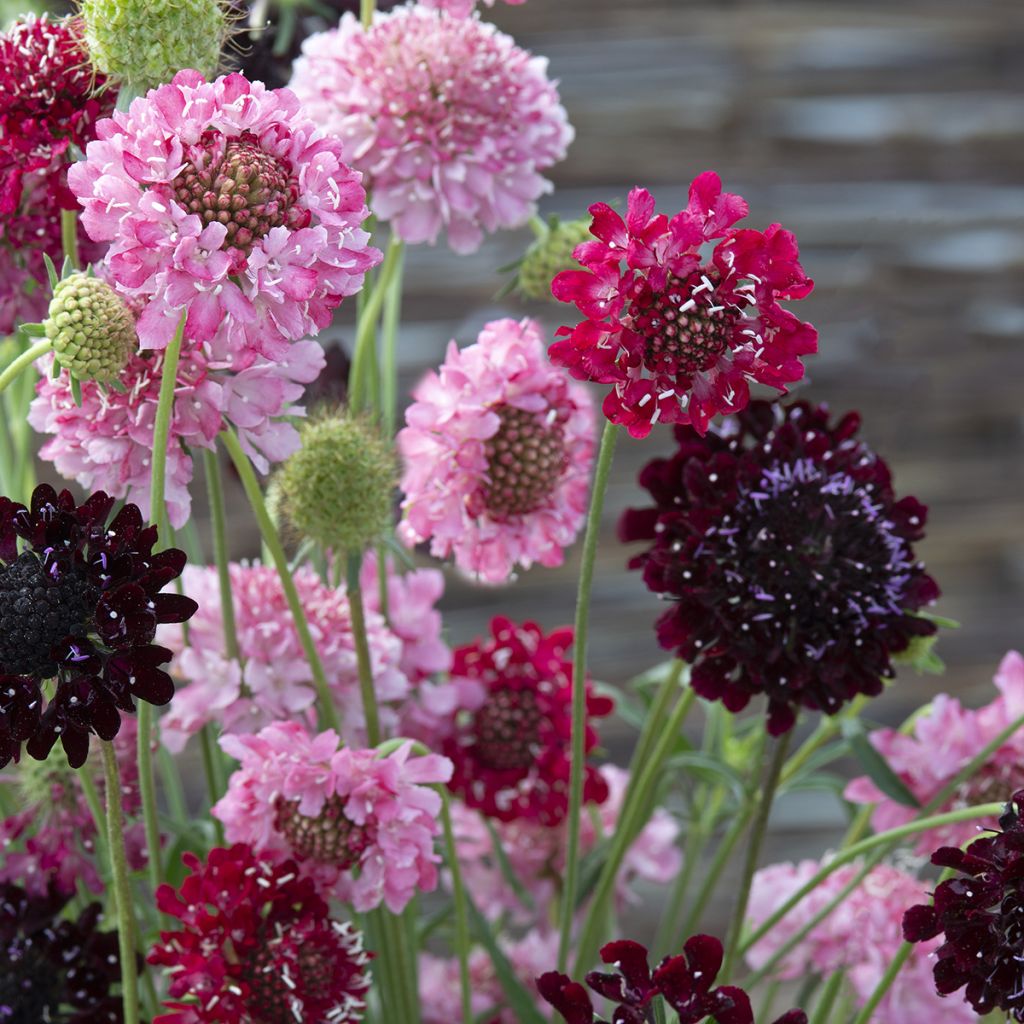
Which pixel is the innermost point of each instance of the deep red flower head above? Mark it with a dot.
(681, 338)
(511, 744)
(787, 557)
(256, 943)
(80, 602)
(981, 916)
(683, 982)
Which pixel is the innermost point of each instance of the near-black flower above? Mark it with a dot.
(79, 603)
(787, 557)
(981, 917)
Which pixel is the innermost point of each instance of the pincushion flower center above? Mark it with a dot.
(507, 729)
(272, 985)
(525, 460)
(685, 327)
(994, 783)
(329, 838)
(236, 183)
(38, 608)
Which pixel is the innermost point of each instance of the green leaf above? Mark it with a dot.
(431, 922)
(51, 271)
(920, 655)
(76, 390)
(875, 765)
(34, 330)
(507, 872)
(709, 768)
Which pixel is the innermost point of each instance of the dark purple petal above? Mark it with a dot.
(174, 607)
(921, 923)
(729, 1005)
(568, 997)
(126, 616)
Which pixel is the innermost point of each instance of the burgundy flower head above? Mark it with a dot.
(60, 971)
(80, 602)
(256, 943)
(511, 744)
(679, 338)
(787, 557)
(683, 982)
(981, 916)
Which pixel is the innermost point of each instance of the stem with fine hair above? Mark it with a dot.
(358, 614)
(69, 236)
(579, 688)
(122, 886)
(389, 358)
(360, 394)
(218, 522)
(14, 368)
(461, 911)
(366, 9)
(328, 714)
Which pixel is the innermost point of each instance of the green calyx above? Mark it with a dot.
(550, 254)
(91, 328)
(144, 43)
(337, 489)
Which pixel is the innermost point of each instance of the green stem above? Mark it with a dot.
(827, 728)
(823, 1011)
(92, 798)
(328, 714)
(69, 236)
(171, 779)
(655, 716)
(366, 687)
(366, 9)
(122, 886)
(757, 836)
(389, 359)
(218, 521)
(359, 393)
(579, 689)
(27, 358)
(462, 942)
(884, 984)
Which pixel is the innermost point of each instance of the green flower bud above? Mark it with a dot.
(144, 43)
(550, 254)
(91, 328)
(338, 487)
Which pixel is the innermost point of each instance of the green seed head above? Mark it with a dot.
(338, 487)
(550, 254)
(91, 328)
(144, 43)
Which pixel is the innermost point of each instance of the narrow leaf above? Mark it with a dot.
(875, 765)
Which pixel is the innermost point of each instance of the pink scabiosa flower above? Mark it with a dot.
(449, 120)
(274, 682)
(510, 743)
(498, 448)
(461, 8)
(361, 825)
(944, 739)
(256, 942)
(106, 439)
(788, 559)
(221, 200)
(679, 339)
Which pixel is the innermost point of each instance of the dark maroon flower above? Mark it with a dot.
(788, 559)
(683, 982)
(981, 916)
(80, 602)
(59, 971)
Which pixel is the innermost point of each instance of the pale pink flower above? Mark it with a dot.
(106, 442)
(158, 183)
(944, 739)
(449, 120)
(497, 449)
(462, 8)
(861, 937)
(275, 682)
(362, 826)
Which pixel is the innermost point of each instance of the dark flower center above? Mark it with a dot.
(239, 185)
(30, 989)
(685, 327)
(329, 838)
(39, 608)
(507, 729)
(525, 460)
(274, 988)
(993, 783)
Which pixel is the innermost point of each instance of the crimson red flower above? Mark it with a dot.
(788, 559)
(981, 917)
(683, 982)
(80, 603)
(257, 944)
(680, 340)
(511, 740)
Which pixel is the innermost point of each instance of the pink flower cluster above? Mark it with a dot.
(361, 825)
(462, 8)
(451, 122)
(861, 937)
(497, 450)
(944, 739)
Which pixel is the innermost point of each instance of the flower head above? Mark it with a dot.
(55, 970)
(683, 982)
(256, 942)
(362, 825)
(550, 253)
(679, 339)
(450, 121)
(462, 8)
(944, 739)
(80, 602)
(221, 201)
(980, 916)
(510, 743)
(497, 449)
(788, 558)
